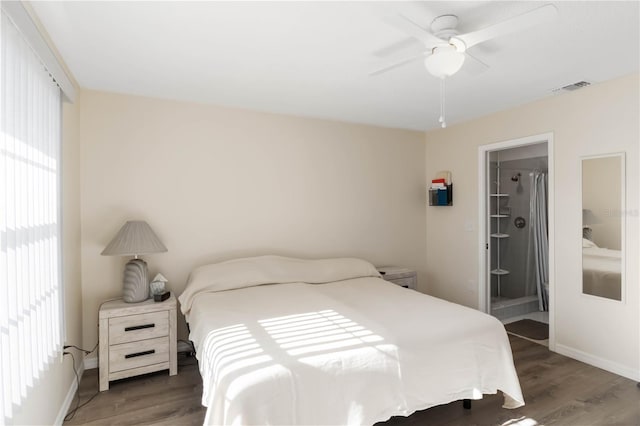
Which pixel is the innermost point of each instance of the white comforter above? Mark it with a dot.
(601, 272)
(355, 351)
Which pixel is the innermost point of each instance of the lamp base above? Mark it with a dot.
(135, 285)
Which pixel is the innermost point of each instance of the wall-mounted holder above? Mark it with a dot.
(441, 196)
(441, 190)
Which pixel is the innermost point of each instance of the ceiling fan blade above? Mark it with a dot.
(406, 25)
(396, 64)
(528, 19)
(473, 66)
(404, 45)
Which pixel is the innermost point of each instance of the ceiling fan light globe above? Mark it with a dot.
(444, 62)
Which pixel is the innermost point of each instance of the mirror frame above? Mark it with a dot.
(623, 216)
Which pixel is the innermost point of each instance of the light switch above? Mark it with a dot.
(468, 225)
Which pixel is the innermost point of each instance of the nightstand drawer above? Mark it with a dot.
(137, 354)
(138, 327)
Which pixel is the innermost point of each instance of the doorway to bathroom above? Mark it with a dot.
(515, 231)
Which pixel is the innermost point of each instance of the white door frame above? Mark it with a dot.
(484, 296)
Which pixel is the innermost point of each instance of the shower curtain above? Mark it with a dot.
(538, 247)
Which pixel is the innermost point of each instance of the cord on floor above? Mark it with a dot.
(73, 412)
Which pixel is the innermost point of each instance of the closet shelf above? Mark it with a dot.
(499, 271)
(499, 195)
(500, 235)
(499, 215)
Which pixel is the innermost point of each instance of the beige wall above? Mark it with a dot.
(600, 119)
(46, 398)
(217, 183)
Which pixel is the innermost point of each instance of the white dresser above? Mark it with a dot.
(403, 277)
(137, 338)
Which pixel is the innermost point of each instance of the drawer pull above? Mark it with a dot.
(139, 327)
(152, 351)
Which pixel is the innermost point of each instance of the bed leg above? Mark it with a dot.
(466, 403)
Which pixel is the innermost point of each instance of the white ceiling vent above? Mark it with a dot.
(574, 86)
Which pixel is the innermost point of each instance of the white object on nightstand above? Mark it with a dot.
(137, 338)
(403, 277)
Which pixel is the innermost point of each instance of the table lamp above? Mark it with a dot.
(135, 238)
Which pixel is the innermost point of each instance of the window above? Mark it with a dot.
(31, 319)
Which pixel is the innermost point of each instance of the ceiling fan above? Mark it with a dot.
(445, 50)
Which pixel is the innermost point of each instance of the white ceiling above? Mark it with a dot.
(313, 58)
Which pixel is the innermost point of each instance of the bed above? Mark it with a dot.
(601, 271)
(291, 341)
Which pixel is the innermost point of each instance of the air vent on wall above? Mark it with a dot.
(574, 86)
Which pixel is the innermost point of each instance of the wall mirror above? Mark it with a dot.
(603, 206)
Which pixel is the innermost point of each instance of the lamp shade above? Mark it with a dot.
(444, 62)
(134, 238)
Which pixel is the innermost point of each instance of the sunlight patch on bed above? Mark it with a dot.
(224, 338)
(326, 347)
(235, 353)
(216, 345)
(316, 340)
(237, 357)
(295, 324)
(243, 364)
(317, 331)
(231, 349)
(321, 331)
(228, 330)
(301, 325)
(238, 349)
(300, 330)
(290, 318)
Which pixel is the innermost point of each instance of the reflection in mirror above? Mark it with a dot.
(602, 207)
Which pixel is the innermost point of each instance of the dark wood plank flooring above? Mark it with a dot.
(557, 390)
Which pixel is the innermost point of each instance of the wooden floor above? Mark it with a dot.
(557, 390)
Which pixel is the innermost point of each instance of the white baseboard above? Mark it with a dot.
(71, 393)
(605, 364)
(91, 363)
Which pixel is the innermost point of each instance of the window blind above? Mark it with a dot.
(31, 320)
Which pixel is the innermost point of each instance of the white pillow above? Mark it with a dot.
(253, 271)
(588, 243)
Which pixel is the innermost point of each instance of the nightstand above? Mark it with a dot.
(137, 338)
(401, 276)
